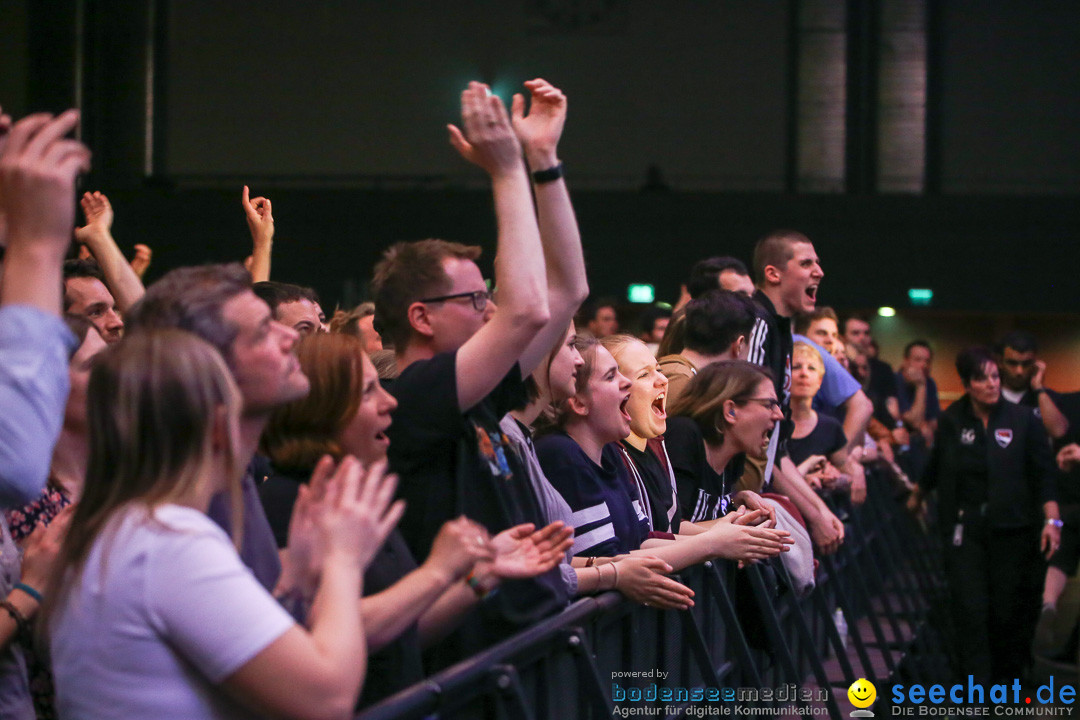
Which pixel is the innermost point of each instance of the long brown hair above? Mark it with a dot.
(153, 405)
(556, 414)
(716, 383)
(301, 432)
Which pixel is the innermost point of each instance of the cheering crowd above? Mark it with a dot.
(220, 502)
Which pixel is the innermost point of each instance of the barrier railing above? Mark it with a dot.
(747, 631)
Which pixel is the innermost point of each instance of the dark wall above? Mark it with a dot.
(991, 254)
(324, 107)
(340, 87)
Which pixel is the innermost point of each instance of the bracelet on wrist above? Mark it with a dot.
(22, 627)
(1055, 522)
(477, 587)
(28, 590)
(549, 175)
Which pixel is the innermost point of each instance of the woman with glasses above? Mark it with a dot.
(580, 456)
(725, 414)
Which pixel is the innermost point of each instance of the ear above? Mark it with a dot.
(738, 347)
(420, 320)
(772, 275)
(578, 406)
(729, 411)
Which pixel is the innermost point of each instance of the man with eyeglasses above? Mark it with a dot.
(1022, 376)
(463, 361)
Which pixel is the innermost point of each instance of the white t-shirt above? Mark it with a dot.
(153, 632)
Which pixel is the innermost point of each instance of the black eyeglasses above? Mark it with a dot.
(769, 404)
(480, 298)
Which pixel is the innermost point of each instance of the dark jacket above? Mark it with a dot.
(771, 344)
(1018, 464)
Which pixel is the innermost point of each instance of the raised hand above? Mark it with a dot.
(260, 220)
(99, 217)
(260, 217)
(38, 167)
(488, 139)
(642, 579)
(141, 261)
(540, 130)
(460, 544)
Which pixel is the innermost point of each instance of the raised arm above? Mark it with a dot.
(539, 133)
(488, 141)
(37, 184)
(120, 277)
(37, 180)
(1054, 420)
(260, 220)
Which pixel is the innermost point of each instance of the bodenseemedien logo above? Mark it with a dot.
(862, 694)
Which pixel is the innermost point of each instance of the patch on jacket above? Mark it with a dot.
(1003, 437)
(967, 436)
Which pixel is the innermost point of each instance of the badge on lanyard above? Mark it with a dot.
(967, 436)
(1003, 436)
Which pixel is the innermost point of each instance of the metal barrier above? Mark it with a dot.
(885, 579)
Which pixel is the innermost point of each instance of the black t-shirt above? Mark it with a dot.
(703, 493)
(454, 463)
(826, 438)
(655, 484)
(398, 664)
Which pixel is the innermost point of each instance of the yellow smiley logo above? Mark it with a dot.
(862, 693)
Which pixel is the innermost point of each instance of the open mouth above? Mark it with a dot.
(659, 406)
(765, 436)
(811, 292)
(381, 437)
(622, 408)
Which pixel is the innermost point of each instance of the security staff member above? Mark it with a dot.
(991, 466)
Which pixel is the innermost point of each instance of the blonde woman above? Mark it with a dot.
(150, 611)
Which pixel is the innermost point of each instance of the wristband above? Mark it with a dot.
(1052, 522)
(477, 587)
(22, 628)
(1040, 391)
(615, 567)
(28, 590)
(550, 175)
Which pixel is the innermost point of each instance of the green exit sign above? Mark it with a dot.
(640, 293)
(920, 296)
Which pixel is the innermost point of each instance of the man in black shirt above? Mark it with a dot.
(462, 360)
(881, 387)
(1022, 376)
(788, 273)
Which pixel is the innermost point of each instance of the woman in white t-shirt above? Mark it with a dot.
(151, 612)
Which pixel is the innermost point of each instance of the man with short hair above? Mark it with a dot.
(787, 272)
(216, 303)
(881, 385)
(602, 320)
(654, 322)
(726, 273)
(86, 295)
(716, 328)
(1022, 376)
(463, 362)
(293, 305)
(917, 400)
